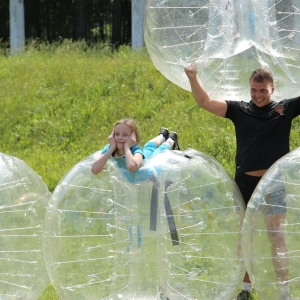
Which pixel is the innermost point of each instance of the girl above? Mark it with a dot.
(124, 149)
(122, 146)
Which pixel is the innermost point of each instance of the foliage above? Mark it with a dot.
(60, 101)
(92, 21)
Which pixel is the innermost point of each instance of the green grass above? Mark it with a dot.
(58, 106)
(59, 102)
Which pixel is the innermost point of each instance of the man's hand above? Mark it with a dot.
(191, 71)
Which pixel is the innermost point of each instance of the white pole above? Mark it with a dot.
(17, 26)
(137, 23)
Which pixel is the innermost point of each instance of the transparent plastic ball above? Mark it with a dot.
(23, 201)
(271, 235)
(226, 40)
(171, 234)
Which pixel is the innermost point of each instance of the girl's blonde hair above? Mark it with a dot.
(130, 123)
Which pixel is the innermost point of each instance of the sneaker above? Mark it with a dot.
(174, 137)
(243, 295)
(165, 132)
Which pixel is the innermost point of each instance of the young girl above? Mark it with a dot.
(122, 146)
(124, 149)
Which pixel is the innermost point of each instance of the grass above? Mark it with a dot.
(59, 103)
(58, 106)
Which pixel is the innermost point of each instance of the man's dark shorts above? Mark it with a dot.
(273, 203)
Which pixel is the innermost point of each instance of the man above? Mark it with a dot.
(262, 134)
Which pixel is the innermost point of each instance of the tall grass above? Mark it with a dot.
(58, 104)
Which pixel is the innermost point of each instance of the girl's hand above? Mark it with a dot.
(112, 140)
(131, 140)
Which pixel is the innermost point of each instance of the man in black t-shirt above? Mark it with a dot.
(262, 135)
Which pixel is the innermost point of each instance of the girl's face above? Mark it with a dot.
(121, 134)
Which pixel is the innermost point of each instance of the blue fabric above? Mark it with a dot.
(150, 149)
(133, 177)
(142, 174)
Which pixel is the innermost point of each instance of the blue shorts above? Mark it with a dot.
(151, 149)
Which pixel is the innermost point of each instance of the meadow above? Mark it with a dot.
(59, 102)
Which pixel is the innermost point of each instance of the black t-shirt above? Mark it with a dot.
(262, 133)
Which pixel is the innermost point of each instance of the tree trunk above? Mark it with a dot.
(117, 23)
(81, 20)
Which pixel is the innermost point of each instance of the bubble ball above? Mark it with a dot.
(226, 40)
(271, 230)
(172, 234)
(23, 201)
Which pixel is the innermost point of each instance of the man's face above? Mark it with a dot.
(261, 92)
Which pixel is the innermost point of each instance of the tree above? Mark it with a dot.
(116, 39)
(81, 20)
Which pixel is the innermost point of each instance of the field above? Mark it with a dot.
(59, 103)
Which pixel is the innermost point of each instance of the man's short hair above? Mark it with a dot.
(261, 75)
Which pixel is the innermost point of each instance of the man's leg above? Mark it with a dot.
(275, 214)
(279, 252)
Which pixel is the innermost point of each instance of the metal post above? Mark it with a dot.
(17, 26)
(137, 25)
